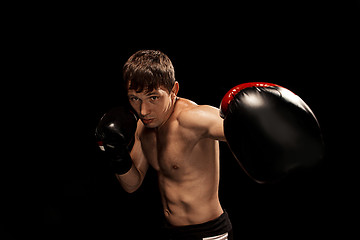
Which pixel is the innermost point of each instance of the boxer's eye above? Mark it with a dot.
(134, 99)
(153, 98)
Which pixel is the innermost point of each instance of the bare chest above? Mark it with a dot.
(167, 151)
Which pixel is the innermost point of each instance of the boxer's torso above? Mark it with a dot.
(187, 164)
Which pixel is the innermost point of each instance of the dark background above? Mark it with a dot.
(67, 74)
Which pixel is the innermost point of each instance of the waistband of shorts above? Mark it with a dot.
(217, 226)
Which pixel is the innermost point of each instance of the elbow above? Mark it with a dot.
(130, 190)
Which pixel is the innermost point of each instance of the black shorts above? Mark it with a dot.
(217, 229)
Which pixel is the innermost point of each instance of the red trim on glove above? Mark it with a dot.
(229, 96)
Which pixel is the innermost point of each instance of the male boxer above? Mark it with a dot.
(179, 139)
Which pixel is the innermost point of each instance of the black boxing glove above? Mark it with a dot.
(114, 133)
(271, 131)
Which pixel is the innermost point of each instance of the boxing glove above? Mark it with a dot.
(271, 131)
(114, 133)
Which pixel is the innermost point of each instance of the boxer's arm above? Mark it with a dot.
(133, 179)
(205, 121)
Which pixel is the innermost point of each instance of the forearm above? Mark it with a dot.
(131, 180)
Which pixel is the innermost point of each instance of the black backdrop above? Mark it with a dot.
(73, 75)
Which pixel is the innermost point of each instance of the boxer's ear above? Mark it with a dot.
(175, 89)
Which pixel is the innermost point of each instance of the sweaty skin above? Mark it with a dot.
(179, 139)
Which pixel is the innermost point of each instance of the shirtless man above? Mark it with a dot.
(179, 139)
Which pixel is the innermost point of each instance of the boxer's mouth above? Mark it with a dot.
(147, 120)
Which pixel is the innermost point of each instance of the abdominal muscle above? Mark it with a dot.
(189, 202)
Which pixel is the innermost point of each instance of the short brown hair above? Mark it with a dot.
(148, 70)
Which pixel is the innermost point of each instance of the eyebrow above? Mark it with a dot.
(147, 94)
(152, 93)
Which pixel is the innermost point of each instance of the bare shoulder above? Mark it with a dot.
(203, 120)
(191, 114)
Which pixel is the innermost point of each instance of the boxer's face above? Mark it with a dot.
(154, 107)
